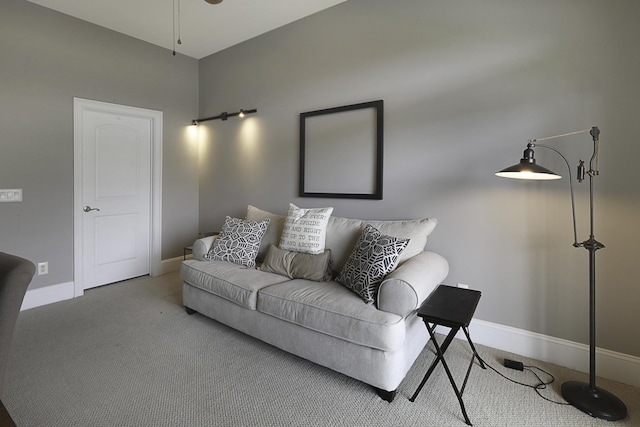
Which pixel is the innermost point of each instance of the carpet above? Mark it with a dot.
(127, 354)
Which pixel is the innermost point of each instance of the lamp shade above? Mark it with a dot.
(528, 169)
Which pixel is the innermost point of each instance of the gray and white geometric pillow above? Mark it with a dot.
(373, 257)
(238, 242)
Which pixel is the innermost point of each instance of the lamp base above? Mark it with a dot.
(596, 402)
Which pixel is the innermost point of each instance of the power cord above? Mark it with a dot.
(519, 366)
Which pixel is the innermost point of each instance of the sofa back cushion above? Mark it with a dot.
(274, 231)
(342, 234)
(416, 230)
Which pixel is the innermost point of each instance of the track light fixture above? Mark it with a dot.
(224, 116)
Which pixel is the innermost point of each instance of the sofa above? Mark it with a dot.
(15, 276)
(302, 305)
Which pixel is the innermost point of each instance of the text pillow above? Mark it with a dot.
(373, 257)
(305, 230)
(238, 242)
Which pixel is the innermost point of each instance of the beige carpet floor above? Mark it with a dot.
(128, 355)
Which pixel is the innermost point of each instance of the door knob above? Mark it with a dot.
(89, 209)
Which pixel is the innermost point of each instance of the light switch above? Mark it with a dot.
(11, 195)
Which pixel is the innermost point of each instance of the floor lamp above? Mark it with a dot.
(587, 397)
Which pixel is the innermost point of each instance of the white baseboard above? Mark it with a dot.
(170, 265)
(47, 295)
(609, 364)
(64, 291)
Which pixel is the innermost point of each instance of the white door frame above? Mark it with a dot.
(79, 106)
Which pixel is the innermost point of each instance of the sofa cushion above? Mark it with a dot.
(305, 229)
(298, 265)
(373, 257)
(238, 242)
(416, 231)
(229, 281)
(342, 234)
(330, 308)
(274, 231)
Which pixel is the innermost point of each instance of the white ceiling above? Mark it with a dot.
(203, 28)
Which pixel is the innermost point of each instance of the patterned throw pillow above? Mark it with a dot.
(238, 242)
(305, 230)
(373, 257)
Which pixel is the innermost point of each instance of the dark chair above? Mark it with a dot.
(15, 275)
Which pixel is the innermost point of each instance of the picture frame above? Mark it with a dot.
(341, 152)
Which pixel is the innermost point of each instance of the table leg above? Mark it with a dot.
(475, 353)
(451, 380)
(445, 346)
(440, 358)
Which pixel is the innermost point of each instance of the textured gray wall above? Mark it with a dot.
(48, 59)
(465, 84)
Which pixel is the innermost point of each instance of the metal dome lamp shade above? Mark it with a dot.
(587, 397)
(527, 168)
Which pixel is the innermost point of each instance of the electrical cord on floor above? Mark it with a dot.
(520, 367)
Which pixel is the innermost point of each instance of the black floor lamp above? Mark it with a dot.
(587, 397)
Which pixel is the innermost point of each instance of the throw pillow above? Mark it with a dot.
(305, 230)
(298, 265)
(238, 242)
(373, 257)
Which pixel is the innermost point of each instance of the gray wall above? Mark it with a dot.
(465, 84)
(48, 59)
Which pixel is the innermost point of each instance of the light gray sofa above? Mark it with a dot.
(325, 322)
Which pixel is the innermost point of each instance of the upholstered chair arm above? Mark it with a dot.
(202, 246)
(405, 288)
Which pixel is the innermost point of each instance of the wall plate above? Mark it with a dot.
(11, 195)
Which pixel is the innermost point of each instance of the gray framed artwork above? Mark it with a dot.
(341, 152)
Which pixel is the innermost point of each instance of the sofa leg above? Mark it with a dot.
(189, 311)
(386, 395)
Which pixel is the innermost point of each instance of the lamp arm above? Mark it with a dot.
(562, 135)
(573, 205)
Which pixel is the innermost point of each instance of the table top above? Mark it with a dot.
(450, 306)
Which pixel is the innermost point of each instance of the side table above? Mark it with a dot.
(187, 250)
(451, 307)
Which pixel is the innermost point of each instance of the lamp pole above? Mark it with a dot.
(589, 398)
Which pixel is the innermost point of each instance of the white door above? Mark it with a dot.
(115, 207)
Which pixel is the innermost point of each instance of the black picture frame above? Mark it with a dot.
(341, 152)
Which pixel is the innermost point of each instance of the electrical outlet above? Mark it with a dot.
(463, 286)
(43, 268)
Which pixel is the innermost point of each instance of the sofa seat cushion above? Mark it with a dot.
(332, 309)
(233, 282)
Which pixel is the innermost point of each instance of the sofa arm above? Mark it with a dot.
(405, 288)
(202, 246)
